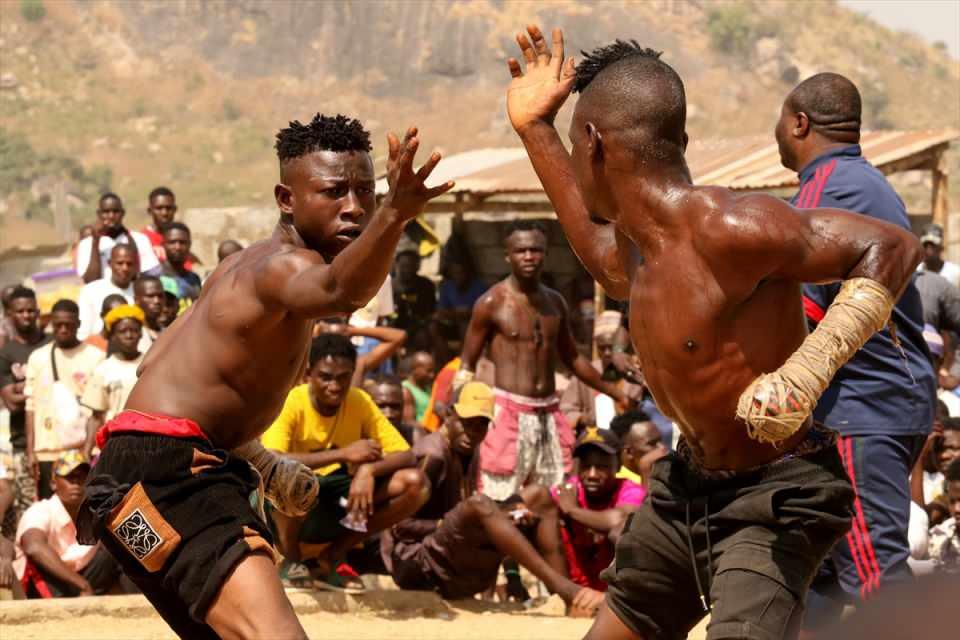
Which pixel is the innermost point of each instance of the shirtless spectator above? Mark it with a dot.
(112, 381)
(162, 208)
(124, 269)
(27, 338)
(642, 445)
(456, 542)
(148, 295)
(362, 462)
(594, 505)
(176, 247)
(57, 374)
(527, 328)
(49, 559)
(418, 387)
(387, 394)
(584, 406)
(94, 252)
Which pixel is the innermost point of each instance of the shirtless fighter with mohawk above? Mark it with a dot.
(740, 516)
(168, 497)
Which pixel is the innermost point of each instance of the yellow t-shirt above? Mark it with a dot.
(629, 475)
(301, 429)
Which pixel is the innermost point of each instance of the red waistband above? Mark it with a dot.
(136, 422)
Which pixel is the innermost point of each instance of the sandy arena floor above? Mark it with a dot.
(411, 616)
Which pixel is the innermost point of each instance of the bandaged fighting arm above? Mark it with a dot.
(776, 404)
(289, 485)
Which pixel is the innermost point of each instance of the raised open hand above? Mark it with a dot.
(537, 95)
(408, 193)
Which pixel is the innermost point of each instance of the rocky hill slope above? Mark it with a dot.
(189, 93)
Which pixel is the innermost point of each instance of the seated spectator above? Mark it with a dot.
(176, 246)
(49, 560)
(414, 296)
(148, 295)
(227, 248)
(9, 585)
(944, 545)
(946, 449)
(583, 405)
(642, 445)
(387, 341)
(113, 379)
(935, 344)
(363, 464)
(594, 505)
(454, 545)
(57, 374)
(387, 394)
(932, 240)
(418, 386)
(124, 269)
(100, 340)
(94, 252)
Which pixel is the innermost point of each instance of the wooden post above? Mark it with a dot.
(938, 196)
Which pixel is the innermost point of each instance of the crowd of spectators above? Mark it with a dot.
(380, 416)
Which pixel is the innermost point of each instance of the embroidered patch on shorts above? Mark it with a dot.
(138, 526)
(137, 535)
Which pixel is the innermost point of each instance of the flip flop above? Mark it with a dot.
(335, 582)
(295, 576)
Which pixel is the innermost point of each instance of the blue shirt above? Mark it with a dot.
(452, 298)
(881, 390)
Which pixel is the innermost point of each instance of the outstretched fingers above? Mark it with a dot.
(556, 61)
(428, 166)
(539, 44)
(514, 67)
(436, 191)
(527, 49)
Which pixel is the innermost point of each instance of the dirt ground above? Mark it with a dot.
(398, 621)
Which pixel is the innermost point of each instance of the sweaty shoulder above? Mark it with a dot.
(491, 297)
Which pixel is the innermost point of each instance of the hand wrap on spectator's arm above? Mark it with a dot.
(776, 404)
(289, 485)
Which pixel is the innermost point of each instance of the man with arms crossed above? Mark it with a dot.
(165, 497)
(755, 496)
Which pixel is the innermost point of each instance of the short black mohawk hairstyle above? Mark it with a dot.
(323, 133)
(602, 57)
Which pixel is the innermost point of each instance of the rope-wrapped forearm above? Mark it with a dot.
(776, 404)
(289, 485)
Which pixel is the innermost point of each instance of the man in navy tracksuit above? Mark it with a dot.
(882, 401)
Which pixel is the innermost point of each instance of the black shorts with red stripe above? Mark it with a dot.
(178, 514)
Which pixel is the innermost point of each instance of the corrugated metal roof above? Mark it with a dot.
(748, 163)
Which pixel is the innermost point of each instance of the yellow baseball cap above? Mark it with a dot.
(69, 462)
(475, 399)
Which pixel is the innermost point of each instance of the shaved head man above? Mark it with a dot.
(713, 280)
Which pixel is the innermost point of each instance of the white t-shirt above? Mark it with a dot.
(75, 367)
(111, 384)
(91, 299)
(148, 259)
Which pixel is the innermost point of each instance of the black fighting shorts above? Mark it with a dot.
(178, 515)
(747, 544)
